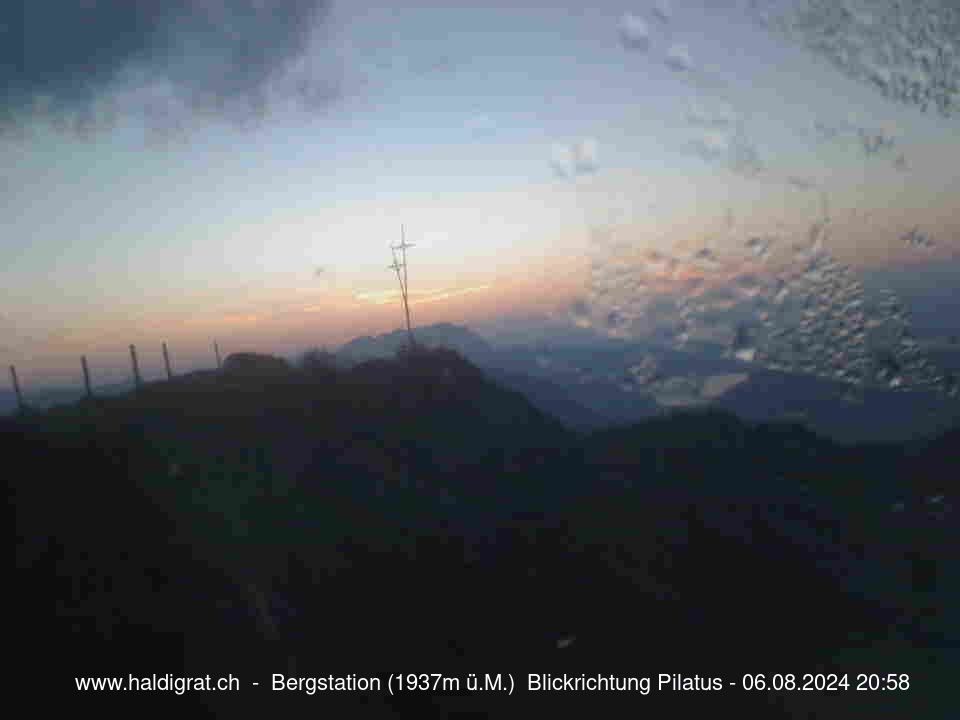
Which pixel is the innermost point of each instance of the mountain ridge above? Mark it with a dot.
(591, 386)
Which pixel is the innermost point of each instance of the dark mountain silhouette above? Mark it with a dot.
(41, 398)
(552, 398)
(254, 365)
(581, 384)
(411, 515)
(446, 335)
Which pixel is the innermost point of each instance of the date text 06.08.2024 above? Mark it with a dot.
(826, 682)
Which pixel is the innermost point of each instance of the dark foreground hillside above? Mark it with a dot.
(409, 516)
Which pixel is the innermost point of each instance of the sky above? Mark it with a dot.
(236, 169)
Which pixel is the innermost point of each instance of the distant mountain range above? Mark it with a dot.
(455, 337)
(606, 383)
(588, 382)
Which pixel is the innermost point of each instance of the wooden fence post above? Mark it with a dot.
(137, 381)
(86, 376)
(21, 406)
(166, 362)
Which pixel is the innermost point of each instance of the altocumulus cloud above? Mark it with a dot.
(221, 56)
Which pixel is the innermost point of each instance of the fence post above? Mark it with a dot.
(136, 367)
(166, 362)
(216, 351)
(21, 406)
(86, 376)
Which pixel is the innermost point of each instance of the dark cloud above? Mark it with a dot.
(67, 51)
(218, 54)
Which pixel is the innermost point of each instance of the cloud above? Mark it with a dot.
(381, 297)
(437, 295)
(240, 319)
(389, 297)
(221, 56)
